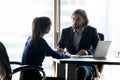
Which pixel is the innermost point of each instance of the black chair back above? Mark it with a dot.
(101, 36)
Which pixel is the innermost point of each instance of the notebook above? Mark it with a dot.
(101, 51)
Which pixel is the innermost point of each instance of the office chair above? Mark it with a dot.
(27, 67)
(5, 66)
(99, 67)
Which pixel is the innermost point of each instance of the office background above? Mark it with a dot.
(16, 18)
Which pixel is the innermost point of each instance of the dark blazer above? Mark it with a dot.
(89, 38)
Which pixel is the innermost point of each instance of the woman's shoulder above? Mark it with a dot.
(41, 38)
(42, 41)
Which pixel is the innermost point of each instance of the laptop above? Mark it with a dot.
(101, 51)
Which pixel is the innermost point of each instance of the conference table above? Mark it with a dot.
(65, 68)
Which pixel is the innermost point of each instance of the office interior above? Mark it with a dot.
(16, 17)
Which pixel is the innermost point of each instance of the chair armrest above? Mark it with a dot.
(27, 67)
(15, 62)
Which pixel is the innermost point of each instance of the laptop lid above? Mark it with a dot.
(102, 49)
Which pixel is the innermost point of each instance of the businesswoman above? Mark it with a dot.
(37, 48)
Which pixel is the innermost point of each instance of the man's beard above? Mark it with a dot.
(77, 27)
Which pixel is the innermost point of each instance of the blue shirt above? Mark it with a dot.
(34, 55)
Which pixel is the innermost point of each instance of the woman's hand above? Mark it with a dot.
(82, 52)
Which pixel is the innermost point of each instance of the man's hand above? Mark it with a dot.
(60, 49)
(82, 52)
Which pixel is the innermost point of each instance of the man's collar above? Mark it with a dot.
(80, 30)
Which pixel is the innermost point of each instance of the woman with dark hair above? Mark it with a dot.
(36, 48)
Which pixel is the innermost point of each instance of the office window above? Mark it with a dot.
(15, 24)
(16, 19)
